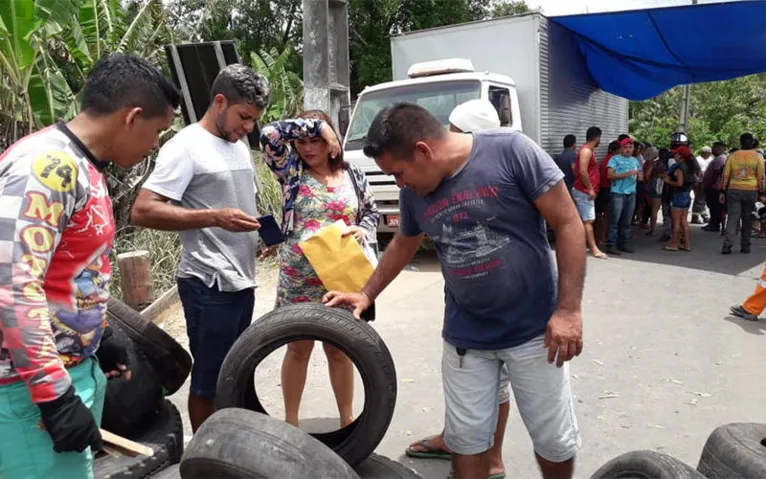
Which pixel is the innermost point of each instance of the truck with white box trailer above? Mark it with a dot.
(530, 68)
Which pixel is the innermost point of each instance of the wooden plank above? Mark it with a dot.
(132, 447)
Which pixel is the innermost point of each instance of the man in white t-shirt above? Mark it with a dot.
(203, 187)
(699, 214)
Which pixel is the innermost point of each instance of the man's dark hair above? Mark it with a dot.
(746, 141)
(622, 137)
(240, 84)
(614, 146)
(756, 143)
(592, 133)
(719, 144)
(118, 81)
(569, 141)
(396, 129)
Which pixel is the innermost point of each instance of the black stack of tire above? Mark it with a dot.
(137, 408)
(240, 440)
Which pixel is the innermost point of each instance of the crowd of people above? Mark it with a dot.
(512, 318)
(504, 310)
(635, 182)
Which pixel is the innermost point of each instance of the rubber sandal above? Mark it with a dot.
(600, 256)
(430, 451)
(668, 248)
(688, 250)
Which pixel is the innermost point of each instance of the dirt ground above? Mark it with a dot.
(663, 362)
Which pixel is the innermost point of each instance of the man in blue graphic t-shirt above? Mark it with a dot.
(484, 200)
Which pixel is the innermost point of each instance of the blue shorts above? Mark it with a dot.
(585, 206)
(214, 320)
(681, 201)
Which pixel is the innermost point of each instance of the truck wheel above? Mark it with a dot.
(381, 467)
(128, 403)
(357, 339)
(646, 465)
(239, 443)
(164, 434)
(169, 359)
(735, 451)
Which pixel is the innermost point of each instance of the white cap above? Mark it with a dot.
(475, 115)
(707, 149)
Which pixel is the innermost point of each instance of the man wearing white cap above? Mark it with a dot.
(469, 117)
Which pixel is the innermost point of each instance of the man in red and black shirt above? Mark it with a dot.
(56, 233)
(586, 185)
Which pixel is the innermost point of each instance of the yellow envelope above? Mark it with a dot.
(339, 262)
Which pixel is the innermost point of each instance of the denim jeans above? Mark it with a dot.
(620, 213)
(214, 321)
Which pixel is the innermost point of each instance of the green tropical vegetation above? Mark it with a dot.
(47, 48)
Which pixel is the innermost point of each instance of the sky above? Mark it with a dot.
(569, 7)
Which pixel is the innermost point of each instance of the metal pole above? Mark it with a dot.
(686, 97)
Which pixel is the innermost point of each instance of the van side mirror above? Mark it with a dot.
(343, 120)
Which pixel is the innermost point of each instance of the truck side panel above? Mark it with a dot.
(569, 98)
(506, 46)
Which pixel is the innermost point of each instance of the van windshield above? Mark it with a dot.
(438, 97)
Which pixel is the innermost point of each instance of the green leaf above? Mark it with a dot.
(57, 11)
(139, 22)
(49, 94)
(20, 23)
(97, 19)
(76, 44)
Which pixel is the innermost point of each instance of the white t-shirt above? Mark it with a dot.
(199, 170)
(703, 163)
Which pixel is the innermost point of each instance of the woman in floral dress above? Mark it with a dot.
(318, 190)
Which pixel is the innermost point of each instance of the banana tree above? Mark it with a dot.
(109, 26)
(286, 87)
(33, 91)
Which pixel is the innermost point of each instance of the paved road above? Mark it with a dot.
(663, 362)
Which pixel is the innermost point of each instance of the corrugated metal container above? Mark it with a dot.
(556, 94)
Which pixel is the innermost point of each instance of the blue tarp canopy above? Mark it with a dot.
(642, 53)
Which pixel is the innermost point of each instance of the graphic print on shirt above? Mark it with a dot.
(472, 245)
(54, 263)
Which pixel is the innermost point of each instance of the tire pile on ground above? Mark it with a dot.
(241, 440)
(137, 408)
(732, 451)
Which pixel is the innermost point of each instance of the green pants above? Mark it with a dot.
(26, 449)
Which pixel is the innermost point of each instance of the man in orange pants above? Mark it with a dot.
(755, 304)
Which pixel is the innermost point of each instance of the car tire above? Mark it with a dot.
(172, 472)
(357, 339)
(381, 467)
(171, 361)
(646, 465)
(163, 433)
(735, 450)
(128, 403)
(239, 443)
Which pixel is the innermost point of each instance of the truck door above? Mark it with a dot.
(503, 98)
